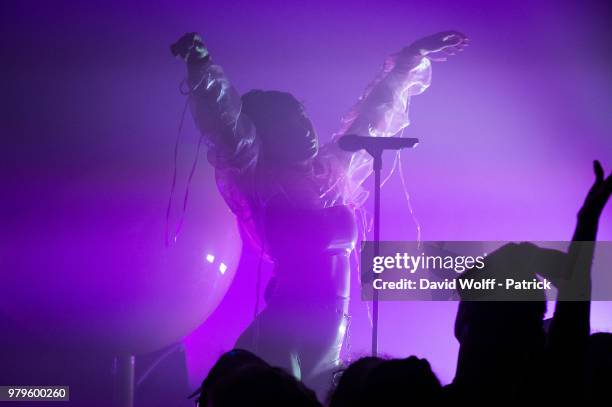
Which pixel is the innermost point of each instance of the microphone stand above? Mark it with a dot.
(377, 167)
(375, 147)
(376, 153)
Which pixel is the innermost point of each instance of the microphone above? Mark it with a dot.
(353, 142)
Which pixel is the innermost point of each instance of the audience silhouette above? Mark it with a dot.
(598, 367)
(349, 391)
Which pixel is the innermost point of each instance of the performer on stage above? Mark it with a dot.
(295, 199)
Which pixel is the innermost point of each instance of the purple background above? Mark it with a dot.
(508, 128)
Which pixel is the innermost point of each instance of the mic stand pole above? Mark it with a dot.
(377, 167)
(123, 381)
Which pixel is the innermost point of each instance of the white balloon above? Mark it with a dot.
(85, 262)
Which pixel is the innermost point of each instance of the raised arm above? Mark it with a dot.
(382, 110)
(216, 107)
(570, 327)
(571, 318)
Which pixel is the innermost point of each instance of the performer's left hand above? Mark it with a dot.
(438, 47)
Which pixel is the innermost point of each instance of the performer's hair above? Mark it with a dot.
(278, 114)
(263, 107)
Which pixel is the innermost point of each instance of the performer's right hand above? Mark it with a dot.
(190, 48)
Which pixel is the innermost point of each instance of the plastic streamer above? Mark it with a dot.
(177, 143)
(393, 167)
(408, 201)
(417, 224)
(364, 228)
(174, 174)
(256, 326)
(187, 188)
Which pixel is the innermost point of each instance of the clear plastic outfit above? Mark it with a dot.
(301, 215)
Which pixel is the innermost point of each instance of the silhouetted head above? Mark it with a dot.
(349, 390)
(261, 386)
(500, 315)
(286, 133)
(226, 365)
(401, 382)
(502, 338)
(512, 329)
(599, 366)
